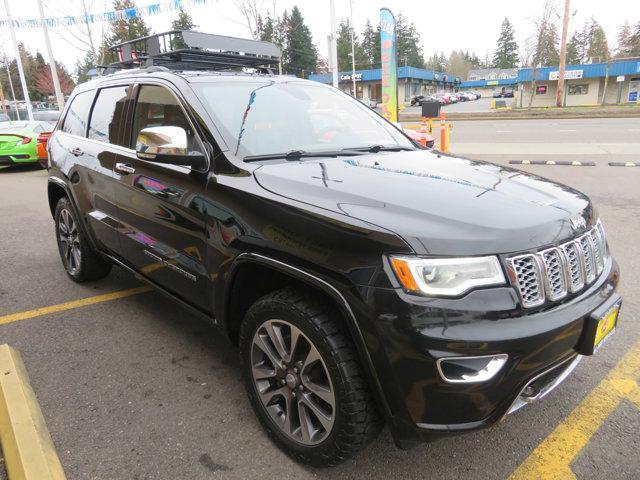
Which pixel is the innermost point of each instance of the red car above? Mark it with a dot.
(418, 136)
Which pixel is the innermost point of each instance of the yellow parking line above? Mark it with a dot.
(60, 307)
(552, 458)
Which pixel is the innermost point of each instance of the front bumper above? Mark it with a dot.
(413, 333)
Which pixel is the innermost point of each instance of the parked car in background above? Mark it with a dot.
(442, 98)
(41, 148)
(508, 93)
(19, 141)
(417, 136)
(417, 100)
(477, 95)
(497, 94)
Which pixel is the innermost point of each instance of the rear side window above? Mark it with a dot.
(75, 122)
(107, 115)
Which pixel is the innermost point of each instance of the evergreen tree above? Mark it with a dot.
(123, 30)
(343, 44)
(598, 46)
(547, 48)
(506, 53)
(408, 44)
(300, 53)
(83, 66)
(628, 41)
(573, 53)
(371, 45)
(183, 22)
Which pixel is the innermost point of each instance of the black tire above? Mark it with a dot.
(355, 417)
(89, 265)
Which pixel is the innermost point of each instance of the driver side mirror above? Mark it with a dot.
(167, 144)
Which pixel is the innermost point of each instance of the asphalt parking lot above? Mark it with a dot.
(483, 104)
(133, 387)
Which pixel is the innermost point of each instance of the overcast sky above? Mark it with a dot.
(443, 26)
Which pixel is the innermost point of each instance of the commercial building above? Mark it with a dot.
(589, 84)
(492, 74)
(488, 80)
(411, 82)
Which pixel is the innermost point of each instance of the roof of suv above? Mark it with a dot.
(187, 75)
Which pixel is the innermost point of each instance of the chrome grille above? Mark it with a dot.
(527, 271)
(551, 274)
(575, 261)
(589, 264)
(555, 276)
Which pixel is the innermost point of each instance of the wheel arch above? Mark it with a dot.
(253, 267)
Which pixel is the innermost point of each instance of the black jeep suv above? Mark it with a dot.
(363, 278)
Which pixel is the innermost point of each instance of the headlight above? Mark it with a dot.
(448, 277)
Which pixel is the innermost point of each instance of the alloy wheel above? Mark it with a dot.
(69, 241)
(292, 382)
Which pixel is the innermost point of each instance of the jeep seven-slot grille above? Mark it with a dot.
(551, 274)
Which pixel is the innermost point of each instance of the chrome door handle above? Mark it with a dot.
(75, 151)
(124, 168)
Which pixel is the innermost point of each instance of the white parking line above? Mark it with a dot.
(504, 131)
(633, 129)
(567, 130)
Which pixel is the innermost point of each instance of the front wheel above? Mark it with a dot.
(303, 379)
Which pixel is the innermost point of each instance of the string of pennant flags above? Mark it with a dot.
(110, 16)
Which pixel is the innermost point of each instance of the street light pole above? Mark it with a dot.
(353, 53)
(52, 62)
(333, 45)
(563, 55)
(23, 81)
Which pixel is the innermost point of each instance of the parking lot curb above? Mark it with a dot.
(624, 164)
(27, 447)
(573, 163)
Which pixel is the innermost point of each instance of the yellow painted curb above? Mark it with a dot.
(27, 447)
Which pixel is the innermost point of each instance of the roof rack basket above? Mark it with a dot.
(187, 50)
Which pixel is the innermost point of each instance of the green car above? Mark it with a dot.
(19, 141)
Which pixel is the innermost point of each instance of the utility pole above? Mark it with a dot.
(353, 53)
(563, 56)
(23, 81)
(13, 92)
(333, 48)
(52, 62)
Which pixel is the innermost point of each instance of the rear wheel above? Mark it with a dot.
(303, 379)
(80, 260)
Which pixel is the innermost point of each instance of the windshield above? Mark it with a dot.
(267, 117)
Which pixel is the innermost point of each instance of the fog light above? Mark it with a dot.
(470, 369)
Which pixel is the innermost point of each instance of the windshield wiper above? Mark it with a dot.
(298, 154)
(380, 148)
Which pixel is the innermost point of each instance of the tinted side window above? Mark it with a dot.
(107, 115)
(75, 122)
(157, 107)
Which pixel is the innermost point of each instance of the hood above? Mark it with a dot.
(441, 205)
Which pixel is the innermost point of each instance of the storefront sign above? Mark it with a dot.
(620, 78)
(347, 76)
(389, 105)
(568, 75)
(492, 82)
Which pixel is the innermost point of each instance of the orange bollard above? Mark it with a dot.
(423, 132)
(430, 126)
(443, 135)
